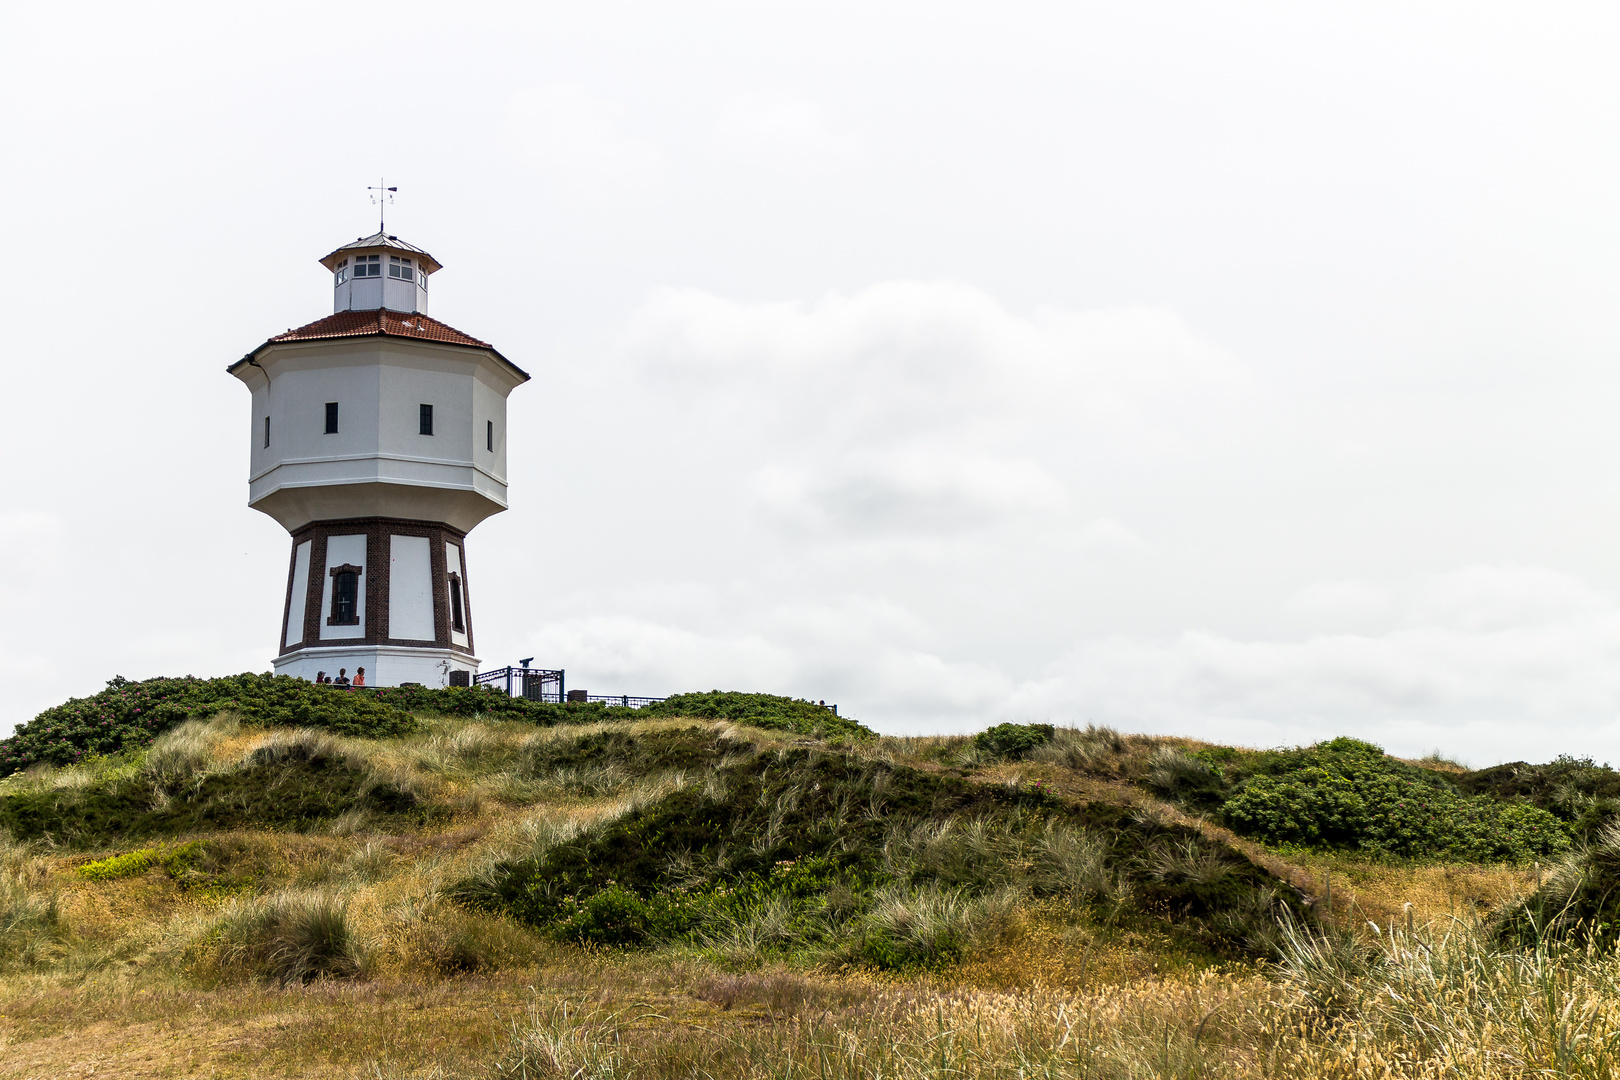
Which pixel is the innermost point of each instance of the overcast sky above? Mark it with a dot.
(1243, 371)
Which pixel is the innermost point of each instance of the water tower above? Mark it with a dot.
(378, 441)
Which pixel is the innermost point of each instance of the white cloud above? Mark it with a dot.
(786, 132)
(907, 491)
(924, 407)
(849, 647)
(1482, 661)
(21, 524)
(575, 141)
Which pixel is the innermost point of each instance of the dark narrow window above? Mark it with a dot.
(331, 417)
(458, 620)
(345, 596)
(425, 416)
(489, 433)
(267, 433)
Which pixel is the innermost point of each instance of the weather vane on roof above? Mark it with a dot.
(382, 196)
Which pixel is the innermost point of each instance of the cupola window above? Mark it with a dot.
(399, 268)
(367, 266)
(421, 278)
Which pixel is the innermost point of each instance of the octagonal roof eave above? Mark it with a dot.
(379, 241)
(380, 323)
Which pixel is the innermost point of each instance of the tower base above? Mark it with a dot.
(386, 665)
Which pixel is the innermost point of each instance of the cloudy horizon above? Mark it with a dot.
(1246, 374)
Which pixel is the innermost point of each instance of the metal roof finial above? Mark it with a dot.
(382, 196)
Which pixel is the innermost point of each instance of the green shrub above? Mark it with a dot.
(129, 864)
(794, 848)
(1578, 791)
(1346, 794)
(768, 711)
(176, 861)
(289, 785)
(1013, 741)
(129, 715)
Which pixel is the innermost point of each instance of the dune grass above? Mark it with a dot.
(334, 943)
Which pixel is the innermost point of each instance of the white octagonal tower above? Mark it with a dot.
(379, 441)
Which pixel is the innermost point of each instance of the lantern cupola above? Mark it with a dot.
(380, 272)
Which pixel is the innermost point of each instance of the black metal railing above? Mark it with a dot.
(546, 684)
(536, 684)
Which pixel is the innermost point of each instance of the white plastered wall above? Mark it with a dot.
(385, 665)
(378, 459)
(410, 589)
(300, 593)
(411, 380)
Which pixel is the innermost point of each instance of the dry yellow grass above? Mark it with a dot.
(138, 987)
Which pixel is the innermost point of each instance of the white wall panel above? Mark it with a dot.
(410, 589)
(300, 593)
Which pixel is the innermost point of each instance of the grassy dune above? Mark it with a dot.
(696, 897)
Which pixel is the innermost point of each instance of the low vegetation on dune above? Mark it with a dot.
(804, 849)
(128, 715)
(253, 876)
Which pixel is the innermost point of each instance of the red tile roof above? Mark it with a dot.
(381, 321)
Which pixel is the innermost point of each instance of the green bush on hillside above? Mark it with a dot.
(802, 847)
(1577, 791)
(129, 715)
(1013, 741)
(294, 786)
(1346, 794)
(769, 711)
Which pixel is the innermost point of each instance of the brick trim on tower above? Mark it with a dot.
(375, 582)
